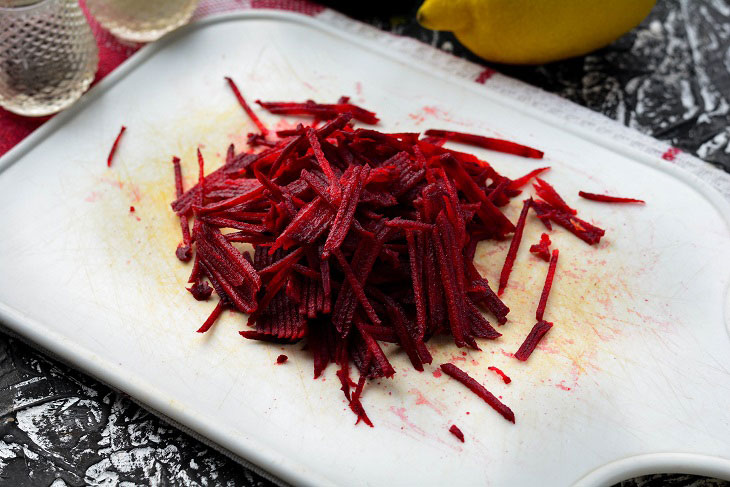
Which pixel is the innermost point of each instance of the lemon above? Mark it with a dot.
(533, 31)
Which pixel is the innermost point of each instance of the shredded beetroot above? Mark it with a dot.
(498, 145)
(454, 430)
(505, 377)
(131, 209)
(542, 249)
(478, 389)
(533, 338)
(356, 238)
(513, 247)
(114, 147)
(281, 359)
(242, 101)
(608, 199)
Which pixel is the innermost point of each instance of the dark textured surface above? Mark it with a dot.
(669, 78)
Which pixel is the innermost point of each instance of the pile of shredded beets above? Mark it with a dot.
(360, 237)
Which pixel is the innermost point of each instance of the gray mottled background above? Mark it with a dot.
(668, 78)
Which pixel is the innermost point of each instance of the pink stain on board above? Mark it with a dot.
(421, 400)
(671, 154)
(485, 75)
(562, 386)
(401, 413)
(437, 373)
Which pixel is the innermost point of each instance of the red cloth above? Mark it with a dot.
(14, 128)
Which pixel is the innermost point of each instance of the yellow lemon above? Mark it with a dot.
(533, 31)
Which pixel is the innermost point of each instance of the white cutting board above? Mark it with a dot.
(638, 361)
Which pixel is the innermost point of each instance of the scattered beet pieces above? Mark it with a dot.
(478, 389)
(548, 285)
(542, 249)
(513, 247)
(533, 338)
(251, 114)
(281, 359)
(505, 378)
(114, 146)
(498, 145)
(319, 110)
(608, 199)
(454, 430)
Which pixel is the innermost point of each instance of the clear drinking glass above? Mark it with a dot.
(141, 20)
(48, 55)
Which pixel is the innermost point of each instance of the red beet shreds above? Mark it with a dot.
(533, 338)
(608, 199)
(351, 238)
(281, 359)
(454, 430)
(478, 389)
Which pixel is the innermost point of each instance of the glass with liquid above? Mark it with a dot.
(48, 55)
(141, 20)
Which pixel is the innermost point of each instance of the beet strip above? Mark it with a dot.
(219, 308)
(114, 147)
(184, 250)
(523, 180)
(321, 159)
(548, 284)
(490, 143)
(513, 247)
(608, 199)
(478, 389)
(357, 288)
(533, 338)
(454, 430)
(242, 101)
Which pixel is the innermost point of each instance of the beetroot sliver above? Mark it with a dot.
(533, 338)
(183, 251)
(548, 285)
(478, 389)
(113, 150)
(242, 101)
(213, 317)
(608, 199)
(454, 430)
(513, 247)
(487, 143)
(523, 180)
(505, 377)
